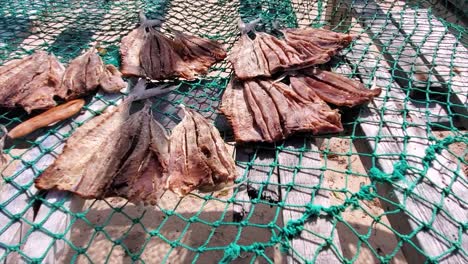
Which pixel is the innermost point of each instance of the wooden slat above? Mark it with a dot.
(16, 202)
(55, 221)
(388, 140)
(310, 245)
(257, 173)
(404, 53)
(438, 47)
(409, 69)
(256, 198)
(242, 205)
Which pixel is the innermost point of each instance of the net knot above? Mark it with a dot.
(337, 209)
(313, 210)
(399, 172)
(257, 248)
(293, 228)
(365, 193)
(231, 253)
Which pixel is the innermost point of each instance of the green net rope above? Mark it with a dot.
(415, 50)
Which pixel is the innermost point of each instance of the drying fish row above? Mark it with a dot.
(261, 108)
(132, 156)
(118, 154)
(266, 54)
(34, 81)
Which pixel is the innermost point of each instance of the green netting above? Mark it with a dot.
(393, 182)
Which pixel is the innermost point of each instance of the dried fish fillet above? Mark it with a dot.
(274, 110)
(31, 82)
(92, 155)
(148, 53)
(237, 111)
(266, 54)
(159, 60)
(83, 74)
(315, 40)
(34, 81)
(130, 48)
(111, 80)
(142, 176)
(198, 157)
(114, 154)
(337, 89)
(198, 53)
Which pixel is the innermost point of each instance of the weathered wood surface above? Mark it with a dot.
(420, 193)
(16, 204)
(410, 70)
(438, 47)
(261, 179)
(48, 243)
(307, 186)
(410, 51)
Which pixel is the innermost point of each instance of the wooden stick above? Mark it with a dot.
(47, 118)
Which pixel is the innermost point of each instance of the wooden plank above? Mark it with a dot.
(411, 72)
(307, 184)
(437, 46)
(242, 205)
(17, 203)
(262, 178)
(411, 68)
(413, 209)
(57, 222)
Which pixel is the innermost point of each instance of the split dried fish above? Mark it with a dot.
(87, 72)
(106, 149)
(198, 157)
(142, 175)
(111, 80)
(132, 156)
(148, 53)
(271, 111)
(31, 82)
(336, 89)
(300, 48)
(92, 155)
(265, 110)
(34, 81)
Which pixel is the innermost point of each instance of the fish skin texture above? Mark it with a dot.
(145, 52)
(265, 110)
(31, 82)
(299, 48)
(198, 157)
(34, 81)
